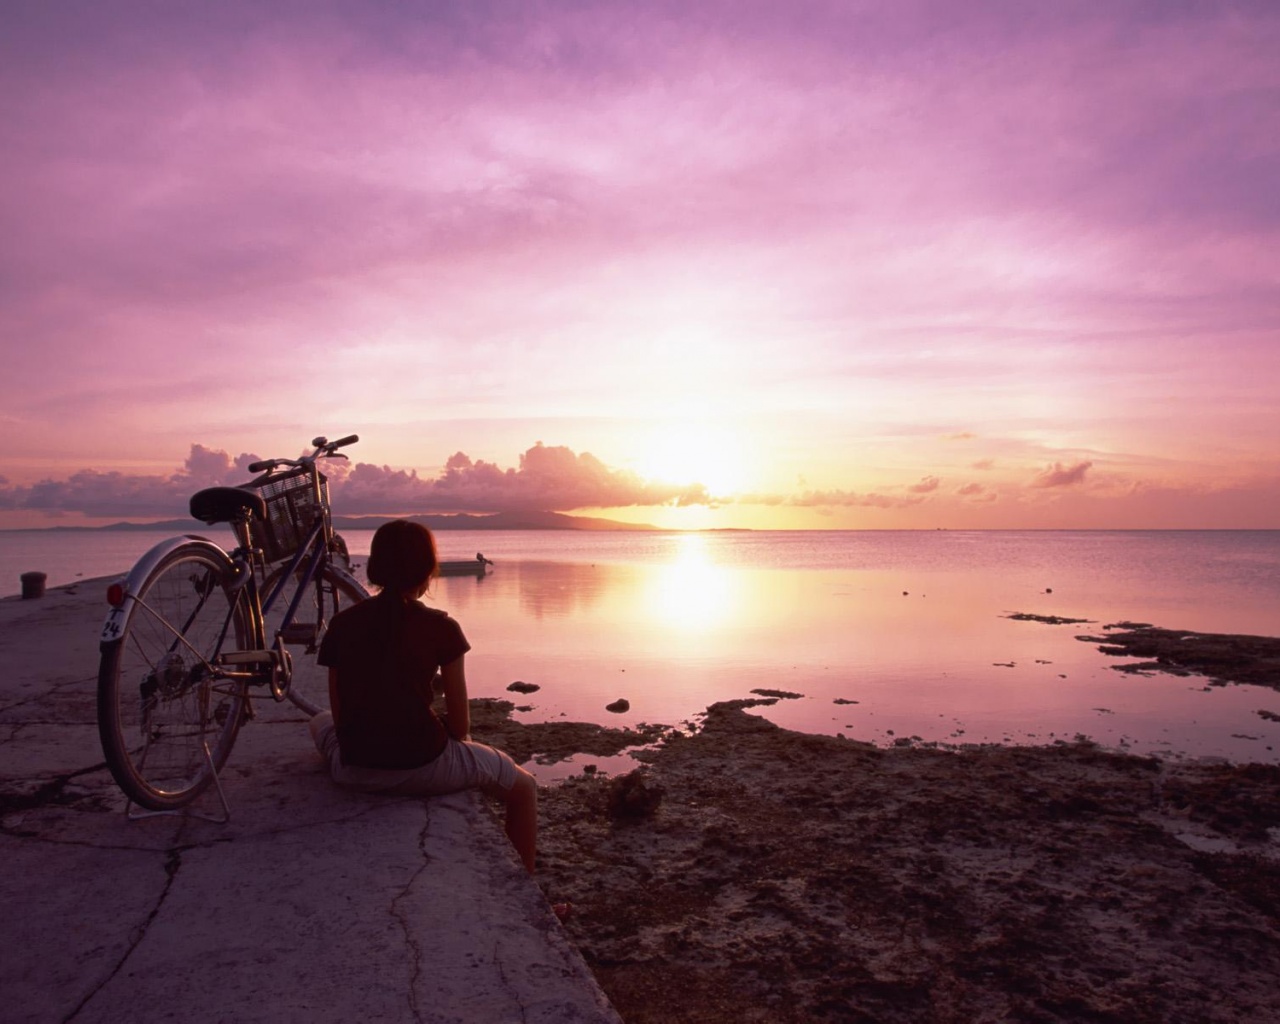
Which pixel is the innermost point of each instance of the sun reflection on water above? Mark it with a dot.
(692, 593)
(884, 650)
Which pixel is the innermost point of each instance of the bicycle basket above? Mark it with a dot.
(291, 512)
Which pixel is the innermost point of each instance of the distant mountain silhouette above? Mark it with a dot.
(496, 521)
(461, 521)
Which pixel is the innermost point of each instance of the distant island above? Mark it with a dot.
(459, 521)
(495, 521)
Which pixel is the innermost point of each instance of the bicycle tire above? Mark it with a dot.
(338, 553)
(331, 591)
(166, 722)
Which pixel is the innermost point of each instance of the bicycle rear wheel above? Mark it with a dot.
(331, 591)
(166, 718)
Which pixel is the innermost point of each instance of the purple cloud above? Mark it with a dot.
(547, 479)
(107, 494)
(550, 478)
(976, 493)
(851, 499)
(1059, 475)
(436, 206)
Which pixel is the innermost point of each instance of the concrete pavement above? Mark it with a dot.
(311, 904)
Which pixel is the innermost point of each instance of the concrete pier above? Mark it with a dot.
(311, 904)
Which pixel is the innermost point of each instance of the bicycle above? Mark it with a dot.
(193, 630)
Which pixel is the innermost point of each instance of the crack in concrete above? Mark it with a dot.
(46, 794)
(286, 829)
(36, 699)
(19, 833)
(14, 833)
(52, 690)
(502, 976)
(403, 919)
(173, 861)
(6, 708)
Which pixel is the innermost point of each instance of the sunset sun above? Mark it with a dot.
(693, 454)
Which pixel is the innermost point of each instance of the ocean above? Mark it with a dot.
(882, 636)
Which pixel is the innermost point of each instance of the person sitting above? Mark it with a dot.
(381, 733)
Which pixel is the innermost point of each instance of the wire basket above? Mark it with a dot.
(292, 511)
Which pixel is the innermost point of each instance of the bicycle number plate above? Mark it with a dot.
(113, 628)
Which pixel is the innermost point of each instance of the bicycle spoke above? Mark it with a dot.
(161, 696)
(170, 697)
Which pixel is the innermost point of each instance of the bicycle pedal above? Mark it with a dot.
(299, 633)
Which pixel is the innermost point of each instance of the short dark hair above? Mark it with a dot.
(402, 556)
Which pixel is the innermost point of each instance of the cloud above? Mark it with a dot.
(444, 205)
(983, 464)
(1059, 475)
(209, 467)
(95, 493)
(976, 494)
(547, 479)
(837, 498)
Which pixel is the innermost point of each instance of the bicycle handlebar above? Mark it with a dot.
(324, 449)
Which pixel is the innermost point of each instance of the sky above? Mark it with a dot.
(868, 264)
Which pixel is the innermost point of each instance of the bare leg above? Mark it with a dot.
(522, 817)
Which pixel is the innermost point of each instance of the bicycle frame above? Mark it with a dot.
(191, 631)
(316, 552)
(241, 562)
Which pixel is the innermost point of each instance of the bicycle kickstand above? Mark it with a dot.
(134, 813)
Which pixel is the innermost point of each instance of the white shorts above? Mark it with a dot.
(461, 765)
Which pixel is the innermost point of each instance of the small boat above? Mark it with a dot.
(478, 566)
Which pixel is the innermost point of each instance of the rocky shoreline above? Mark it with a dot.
(1222, 657)
(775, 876)
(750, 873)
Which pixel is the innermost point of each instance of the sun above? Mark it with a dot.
(688, 454)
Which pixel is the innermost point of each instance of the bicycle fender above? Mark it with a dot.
(350, 581)
(118, 618)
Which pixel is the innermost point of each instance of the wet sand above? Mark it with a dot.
(750, 873)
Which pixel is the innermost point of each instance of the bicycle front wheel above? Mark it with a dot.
(167, 718)
(328, 593)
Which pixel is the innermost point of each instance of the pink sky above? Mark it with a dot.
(878, 264)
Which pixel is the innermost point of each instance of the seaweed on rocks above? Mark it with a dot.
(789, 877)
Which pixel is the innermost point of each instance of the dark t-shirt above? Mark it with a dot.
(386, 652)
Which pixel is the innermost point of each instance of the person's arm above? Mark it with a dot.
(454, 677)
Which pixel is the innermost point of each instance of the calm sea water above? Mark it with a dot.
(884, 635)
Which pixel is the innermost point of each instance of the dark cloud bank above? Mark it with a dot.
(547, 479)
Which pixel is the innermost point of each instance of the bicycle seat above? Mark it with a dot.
(227, 505)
